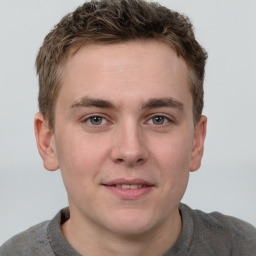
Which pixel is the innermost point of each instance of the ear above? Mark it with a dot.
(198, 144)
(45, 143)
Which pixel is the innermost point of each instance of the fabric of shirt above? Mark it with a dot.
(202, 234)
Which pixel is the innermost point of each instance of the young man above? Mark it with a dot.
(120, 100)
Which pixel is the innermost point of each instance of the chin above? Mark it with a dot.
(131, 230)
(131, 224)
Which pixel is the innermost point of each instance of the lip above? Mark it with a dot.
(129, 194)
(128, 182)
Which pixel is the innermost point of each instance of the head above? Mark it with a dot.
(121, 98)
(111, 22)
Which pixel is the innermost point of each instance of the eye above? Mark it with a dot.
(159, 120)
(95, 120)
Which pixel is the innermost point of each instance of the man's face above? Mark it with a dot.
(124, 136)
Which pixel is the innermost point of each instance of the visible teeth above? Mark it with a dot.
(124, 186)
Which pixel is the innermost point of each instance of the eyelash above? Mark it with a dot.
(88, 120)
(166, 120)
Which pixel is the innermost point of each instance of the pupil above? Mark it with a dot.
(158, 120)
(96, 120)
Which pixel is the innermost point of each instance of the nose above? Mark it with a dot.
(129, 145)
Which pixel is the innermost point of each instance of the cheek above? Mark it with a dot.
(79, 160)
(79, 152)
(175, 154)
(173, 159)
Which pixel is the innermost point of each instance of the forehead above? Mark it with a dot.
(142, 68)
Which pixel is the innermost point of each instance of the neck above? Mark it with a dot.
(89, 240)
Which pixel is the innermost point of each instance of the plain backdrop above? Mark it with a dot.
(226, 181)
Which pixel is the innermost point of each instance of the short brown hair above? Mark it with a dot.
(115, 21)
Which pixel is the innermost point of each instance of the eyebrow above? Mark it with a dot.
(151, 103)
(93, 102)
(162, 102)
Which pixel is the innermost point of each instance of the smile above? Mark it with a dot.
(127, 186)
(129, 189)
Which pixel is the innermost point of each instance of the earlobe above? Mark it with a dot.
(198, 144)
(45, 143)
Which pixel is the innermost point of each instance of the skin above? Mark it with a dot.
(124, 112)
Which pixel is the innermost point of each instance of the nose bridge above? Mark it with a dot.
(129, 143)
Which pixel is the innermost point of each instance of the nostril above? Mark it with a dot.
(130, 155)
(119, 160)
(127, 162)
(140, 160)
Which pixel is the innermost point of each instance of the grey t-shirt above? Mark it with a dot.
(202, 234)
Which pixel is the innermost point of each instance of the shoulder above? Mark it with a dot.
(236, 227)
(30, 242)
(223, 232)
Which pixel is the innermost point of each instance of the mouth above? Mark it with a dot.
(128, 186)
(128, 183)
(129, 189)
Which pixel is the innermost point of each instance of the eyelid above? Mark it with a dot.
(109, 120)
(85, 118)
(168, 117)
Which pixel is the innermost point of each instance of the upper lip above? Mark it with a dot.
(128, 182)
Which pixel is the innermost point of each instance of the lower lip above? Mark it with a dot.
(129, 194)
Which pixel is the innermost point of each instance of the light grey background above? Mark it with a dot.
(226, 181)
